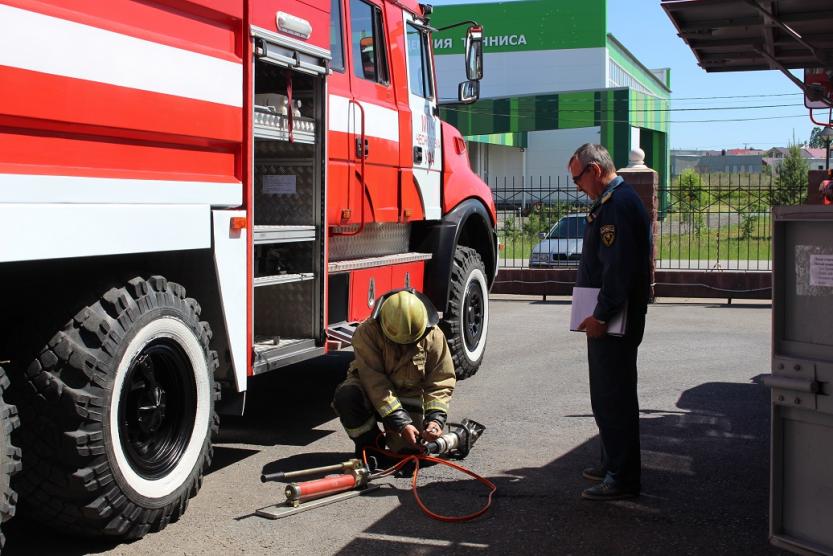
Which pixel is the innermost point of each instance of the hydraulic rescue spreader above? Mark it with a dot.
(354, 477)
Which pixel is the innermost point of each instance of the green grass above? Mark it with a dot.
(734, 244)
(731, 242)
(518, 246)
(705, 246)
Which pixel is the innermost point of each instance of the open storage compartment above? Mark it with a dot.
(287, 203)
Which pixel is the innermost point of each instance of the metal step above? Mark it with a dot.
(399, 258)
(269, 355)
(281, 279)
(283, 234)
(342, 333)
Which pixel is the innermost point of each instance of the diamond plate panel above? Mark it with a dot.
(275, 158)
(376, 240)
(285, 310)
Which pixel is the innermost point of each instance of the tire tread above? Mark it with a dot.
(67, 481)
(11, 462)
(466, 259)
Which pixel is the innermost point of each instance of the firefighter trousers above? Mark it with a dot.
(361, 421)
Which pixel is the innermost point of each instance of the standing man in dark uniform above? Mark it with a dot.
(615, 258)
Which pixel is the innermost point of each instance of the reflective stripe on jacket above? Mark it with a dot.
(391, 372)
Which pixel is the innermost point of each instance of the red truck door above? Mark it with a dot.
(425, 126)
(341, 147)
(374, 106)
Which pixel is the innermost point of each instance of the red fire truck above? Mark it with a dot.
(193, 192)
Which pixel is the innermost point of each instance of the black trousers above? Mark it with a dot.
(360, 420)
(613, 378)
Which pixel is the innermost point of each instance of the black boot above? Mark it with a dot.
(367, 440)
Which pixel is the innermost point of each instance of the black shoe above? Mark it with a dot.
(368, 440)
(596, 474)
(406, 471)
(609, 490)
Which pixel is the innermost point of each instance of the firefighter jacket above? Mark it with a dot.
(402, 378)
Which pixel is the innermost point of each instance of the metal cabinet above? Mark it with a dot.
(801, 489)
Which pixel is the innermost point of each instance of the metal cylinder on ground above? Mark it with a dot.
(309, 490)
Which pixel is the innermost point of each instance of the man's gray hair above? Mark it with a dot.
(589, 153)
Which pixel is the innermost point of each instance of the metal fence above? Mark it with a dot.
(527, 211)
(705, 222)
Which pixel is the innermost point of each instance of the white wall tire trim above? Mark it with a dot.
(178, 331)
(476, 274)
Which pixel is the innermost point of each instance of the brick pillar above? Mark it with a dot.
(815, 177)
(646, 184)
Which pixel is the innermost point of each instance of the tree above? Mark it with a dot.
(816, 140)
(691, 199)
(791, 180)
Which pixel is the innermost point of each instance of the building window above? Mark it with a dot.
(419, 63)
(368, 42)
(621, 78)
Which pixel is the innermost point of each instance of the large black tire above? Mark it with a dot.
(10, 462)
(466, 319)
(118, 414)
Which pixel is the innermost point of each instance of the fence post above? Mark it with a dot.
(645, 182)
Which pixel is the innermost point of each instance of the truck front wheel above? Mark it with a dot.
(466, 320)
(120, 417)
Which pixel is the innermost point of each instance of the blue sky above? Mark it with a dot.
(644, 28)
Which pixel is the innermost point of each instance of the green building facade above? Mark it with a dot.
(554, 78)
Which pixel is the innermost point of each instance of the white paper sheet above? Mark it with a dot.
(584, 303)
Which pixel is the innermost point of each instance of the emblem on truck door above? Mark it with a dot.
(371, 293)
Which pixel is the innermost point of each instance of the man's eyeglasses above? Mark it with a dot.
(578, 177)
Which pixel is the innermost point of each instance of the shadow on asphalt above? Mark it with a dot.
(287, 405)
(705, 485)
(306, 461)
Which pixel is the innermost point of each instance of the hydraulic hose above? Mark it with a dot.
(416, 458)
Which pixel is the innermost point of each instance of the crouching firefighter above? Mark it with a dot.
(402, 375)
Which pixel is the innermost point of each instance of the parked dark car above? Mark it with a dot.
(561, 246)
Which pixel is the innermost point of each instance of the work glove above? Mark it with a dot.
(432, 431)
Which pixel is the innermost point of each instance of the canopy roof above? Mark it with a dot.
(742, 35)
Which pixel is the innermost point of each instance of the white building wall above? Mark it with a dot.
(524, 73)
(550, 151)
(504, 162)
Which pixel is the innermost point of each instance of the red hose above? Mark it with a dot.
(416, 458)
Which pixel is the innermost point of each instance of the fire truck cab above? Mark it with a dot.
(194, 192)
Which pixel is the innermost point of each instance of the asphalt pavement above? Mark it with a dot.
(705, 442)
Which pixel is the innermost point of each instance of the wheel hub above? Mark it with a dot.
(157, 408)
(151, 414)
(473, 313)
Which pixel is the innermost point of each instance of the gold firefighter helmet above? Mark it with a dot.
(403, 317)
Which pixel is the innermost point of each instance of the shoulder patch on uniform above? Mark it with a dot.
(608, 232)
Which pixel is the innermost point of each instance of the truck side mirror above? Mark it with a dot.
(542, 235)
(474, 53)
(468, 92)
